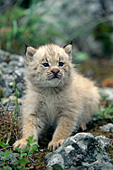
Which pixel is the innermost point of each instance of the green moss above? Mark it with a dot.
(94, 128)
(109, 150)
(39, 158)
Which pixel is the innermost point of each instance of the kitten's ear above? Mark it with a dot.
(29, 53)
(68, 49)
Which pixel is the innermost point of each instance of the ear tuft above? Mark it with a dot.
(26, 47)
(30, 51)
(68, 49)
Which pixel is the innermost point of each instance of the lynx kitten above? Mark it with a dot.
(56, 95)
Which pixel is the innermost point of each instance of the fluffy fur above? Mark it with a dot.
(56, 95)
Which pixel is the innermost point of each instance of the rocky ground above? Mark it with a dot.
(12, 90)
(11, 76)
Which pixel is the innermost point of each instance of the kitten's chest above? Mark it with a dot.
(51, 107)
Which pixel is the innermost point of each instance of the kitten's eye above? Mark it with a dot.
(61, 64)
(45, 64)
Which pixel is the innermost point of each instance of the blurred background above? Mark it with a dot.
(89, 23)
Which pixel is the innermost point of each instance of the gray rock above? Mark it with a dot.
(3, 64)
(13, 63)
(7, 92)
(108, 92)
(19, 86)
(11, 73)
(108, 127)
(102, 141)
(15, 57)
(7, 70)
(56, 160)
(82, 151)
(19, 72)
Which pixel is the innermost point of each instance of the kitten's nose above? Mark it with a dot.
(55, 71)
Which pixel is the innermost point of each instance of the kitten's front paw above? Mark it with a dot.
(20, 143)
(54, 145)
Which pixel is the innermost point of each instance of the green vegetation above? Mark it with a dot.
(23, 156)
(102, 33)
(17, 109)
(105, 111)
(32, 32)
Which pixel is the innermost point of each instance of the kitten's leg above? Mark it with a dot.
(30, 121)
(83, 126)
(65, 127)
(29, 129)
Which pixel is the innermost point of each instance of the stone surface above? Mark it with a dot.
(82, 151)
(12, 82)
(108, 92)
(108, 127)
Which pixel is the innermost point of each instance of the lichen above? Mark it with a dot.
(94, 128)
(109, 150)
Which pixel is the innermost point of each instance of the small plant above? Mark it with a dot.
(24, 155)
(5, 155)
(105, 110)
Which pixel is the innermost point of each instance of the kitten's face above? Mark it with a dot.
(49, 66)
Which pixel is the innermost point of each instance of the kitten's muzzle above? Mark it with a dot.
(55, 74)
(55, 71)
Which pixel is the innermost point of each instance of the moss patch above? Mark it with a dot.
(39, 158)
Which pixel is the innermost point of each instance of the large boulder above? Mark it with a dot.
(81, 152)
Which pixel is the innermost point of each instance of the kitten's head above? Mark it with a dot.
(49, 65)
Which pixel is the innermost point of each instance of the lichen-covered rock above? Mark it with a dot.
(57, 160)
(107, 128)
(82, 151)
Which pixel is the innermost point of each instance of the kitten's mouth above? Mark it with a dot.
(55, 77)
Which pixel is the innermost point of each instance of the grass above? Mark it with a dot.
(17, 109)
(19, 26)
(10, 127)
